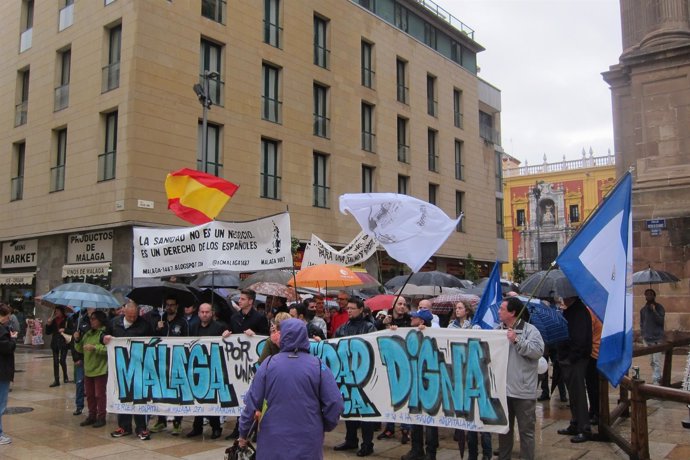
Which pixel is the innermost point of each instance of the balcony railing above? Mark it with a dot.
(21, 113)
(368, 142)
(106, 166)
(213, 10)
(271, 109)
(270, 186)
(368, 77)
(66, 17)
(322, 126)
(57, 178)
(432, 107)
(273, 34)
(585, 162)
(446, 16)
(488, 133)
(61, 97)
(321, 196)
(321, 56)
(459, 171)
(403, 94)
(404, 153)
(111, 77)
(433, 162)
(25, 40)
(457, 119)
(17, 191)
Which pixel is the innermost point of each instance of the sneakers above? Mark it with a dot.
(144, 435)
(176, 429)
(385, 435)
(158, 427)
(120, 432)
(4, 439)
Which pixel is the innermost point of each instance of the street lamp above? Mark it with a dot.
(536, 191)
(202, 92)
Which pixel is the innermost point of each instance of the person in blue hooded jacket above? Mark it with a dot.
(302, 400)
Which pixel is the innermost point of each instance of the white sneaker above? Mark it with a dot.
(4, 439)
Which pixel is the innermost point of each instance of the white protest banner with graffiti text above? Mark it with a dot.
(356, 252)
(444, 377)
(239, 246)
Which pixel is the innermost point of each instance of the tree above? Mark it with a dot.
(471, 272)
(518, 272)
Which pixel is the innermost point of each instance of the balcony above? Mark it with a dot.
(66, 17)
(457, 119)
(17, 191)
(432, 107)
(106, 166)
(433, 162)
(111, 77)
(322, 126)
(271, 109)
(403, 94)
(61, 97)
(25, 40)
(489, 134)
(585, 162)
(403, 153)
(321, 56)
(321, 196)
(459, 171)
(273, 34)
(57, 178)
(368, 77)
(270, 186)
(21, 113)
(369, 142)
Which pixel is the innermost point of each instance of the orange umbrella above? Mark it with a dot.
(325, 275)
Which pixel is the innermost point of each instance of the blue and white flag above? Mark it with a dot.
(486, 315)
(409, 229)
(598, 263)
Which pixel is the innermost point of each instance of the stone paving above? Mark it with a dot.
(51, 432)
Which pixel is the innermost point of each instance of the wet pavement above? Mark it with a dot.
(50, 431)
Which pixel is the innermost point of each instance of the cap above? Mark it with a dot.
(425, 315)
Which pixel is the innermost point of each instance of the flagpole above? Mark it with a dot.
(292, 265)
(531, 296)
(401, 289)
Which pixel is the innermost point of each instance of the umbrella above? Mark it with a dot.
(81, 295)
(414, 290)
(433, 278)
(548, 320)
(217, 279)
(275, 290)
(555, 283)
(155, 294)
(270, 276)
(380, 302)
(120, 292)
(325, 275)
(217, 299)
(506, 285)
(651, 276)
(367, 280)
(445, 303)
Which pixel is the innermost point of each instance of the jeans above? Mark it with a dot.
(79, 381)
(655, 361)
(4, 391)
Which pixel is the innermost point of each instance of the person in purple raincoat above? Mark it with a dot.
(302, 400)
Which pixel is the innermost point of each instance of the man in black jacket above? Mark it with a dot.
(78, 322)
(130, 325)
(357, 325)
(207, 327)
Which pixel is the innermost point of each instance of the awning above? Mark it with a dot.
(17, 278)
(81, 270)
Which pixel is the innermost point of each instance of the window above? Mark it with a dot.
(459, 209)
(66, 18)
(401, 78)
(432, 146)
(433, 194)
(210, 67)
(62, 88)
(368, 4)
(214, 163)
(498, 166)
(57, 171)
(431, 103)
(367, 68)
(321, 120)
(111, 72)
(367, 179)
(17, 183)
(368, 136)
(403, 184)
(321, 189)
(430, 35)
(270, 167)
(272, 30)
(106, 160)
(21, 109)
(270, 99)
(457, 108)
(401, 17)
(574, 213)
(520, 218)
(26, 25)
(499, 218)
(321, 51)
(459, 168)
(486, 128)
(213, 10)
(403, 140)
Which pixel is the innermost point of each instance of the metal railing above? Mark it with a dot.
(271, 109)
(565, 165)
(61, 97)
(403, 94)
(321, 56)
(111, 77)
(433, 162)
(25, 40)
(488, 133)
(106, 166)
(368, 77)
(404, 153)
(322, 126)
(273, 34)
(321, 196)
(446, 16)
(21, 113)
(270, 186)
(57, 178)
(459, 171)
(432, 107)
(369, 142)
(457, 119)
(17, 188)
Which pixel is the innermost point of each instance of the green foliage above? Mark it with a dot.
(519, 274)
(294, 245)
(471, 271)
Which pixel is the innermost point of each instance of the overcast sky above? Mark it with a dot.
(546, 57)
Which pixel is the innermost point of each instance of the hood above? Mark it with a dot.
(293, 335)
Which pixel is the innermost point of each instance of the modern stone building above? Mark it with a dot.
(650, 88)
(311, 99)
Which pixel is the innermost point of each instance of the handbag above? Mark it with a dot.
(235, 452)
(67, 337)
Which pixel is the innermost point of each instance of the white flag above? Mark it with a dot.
(410, 230)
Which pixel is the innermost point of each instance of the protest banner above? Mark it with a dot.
(238, 246)
(449, 378)
(319, 252)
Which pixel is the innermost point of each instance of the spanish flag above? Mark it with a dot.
(197, 197)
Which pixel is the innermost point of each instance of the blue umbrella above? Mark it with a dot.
(81, 295)
(550, 322)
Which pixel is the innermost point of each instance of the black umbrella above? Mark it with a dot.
(548, 283)
(433, 278)
(217, 280)
(506, 285)
(155, 295)
(267, 276)
(651, 276)
(218, 301)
